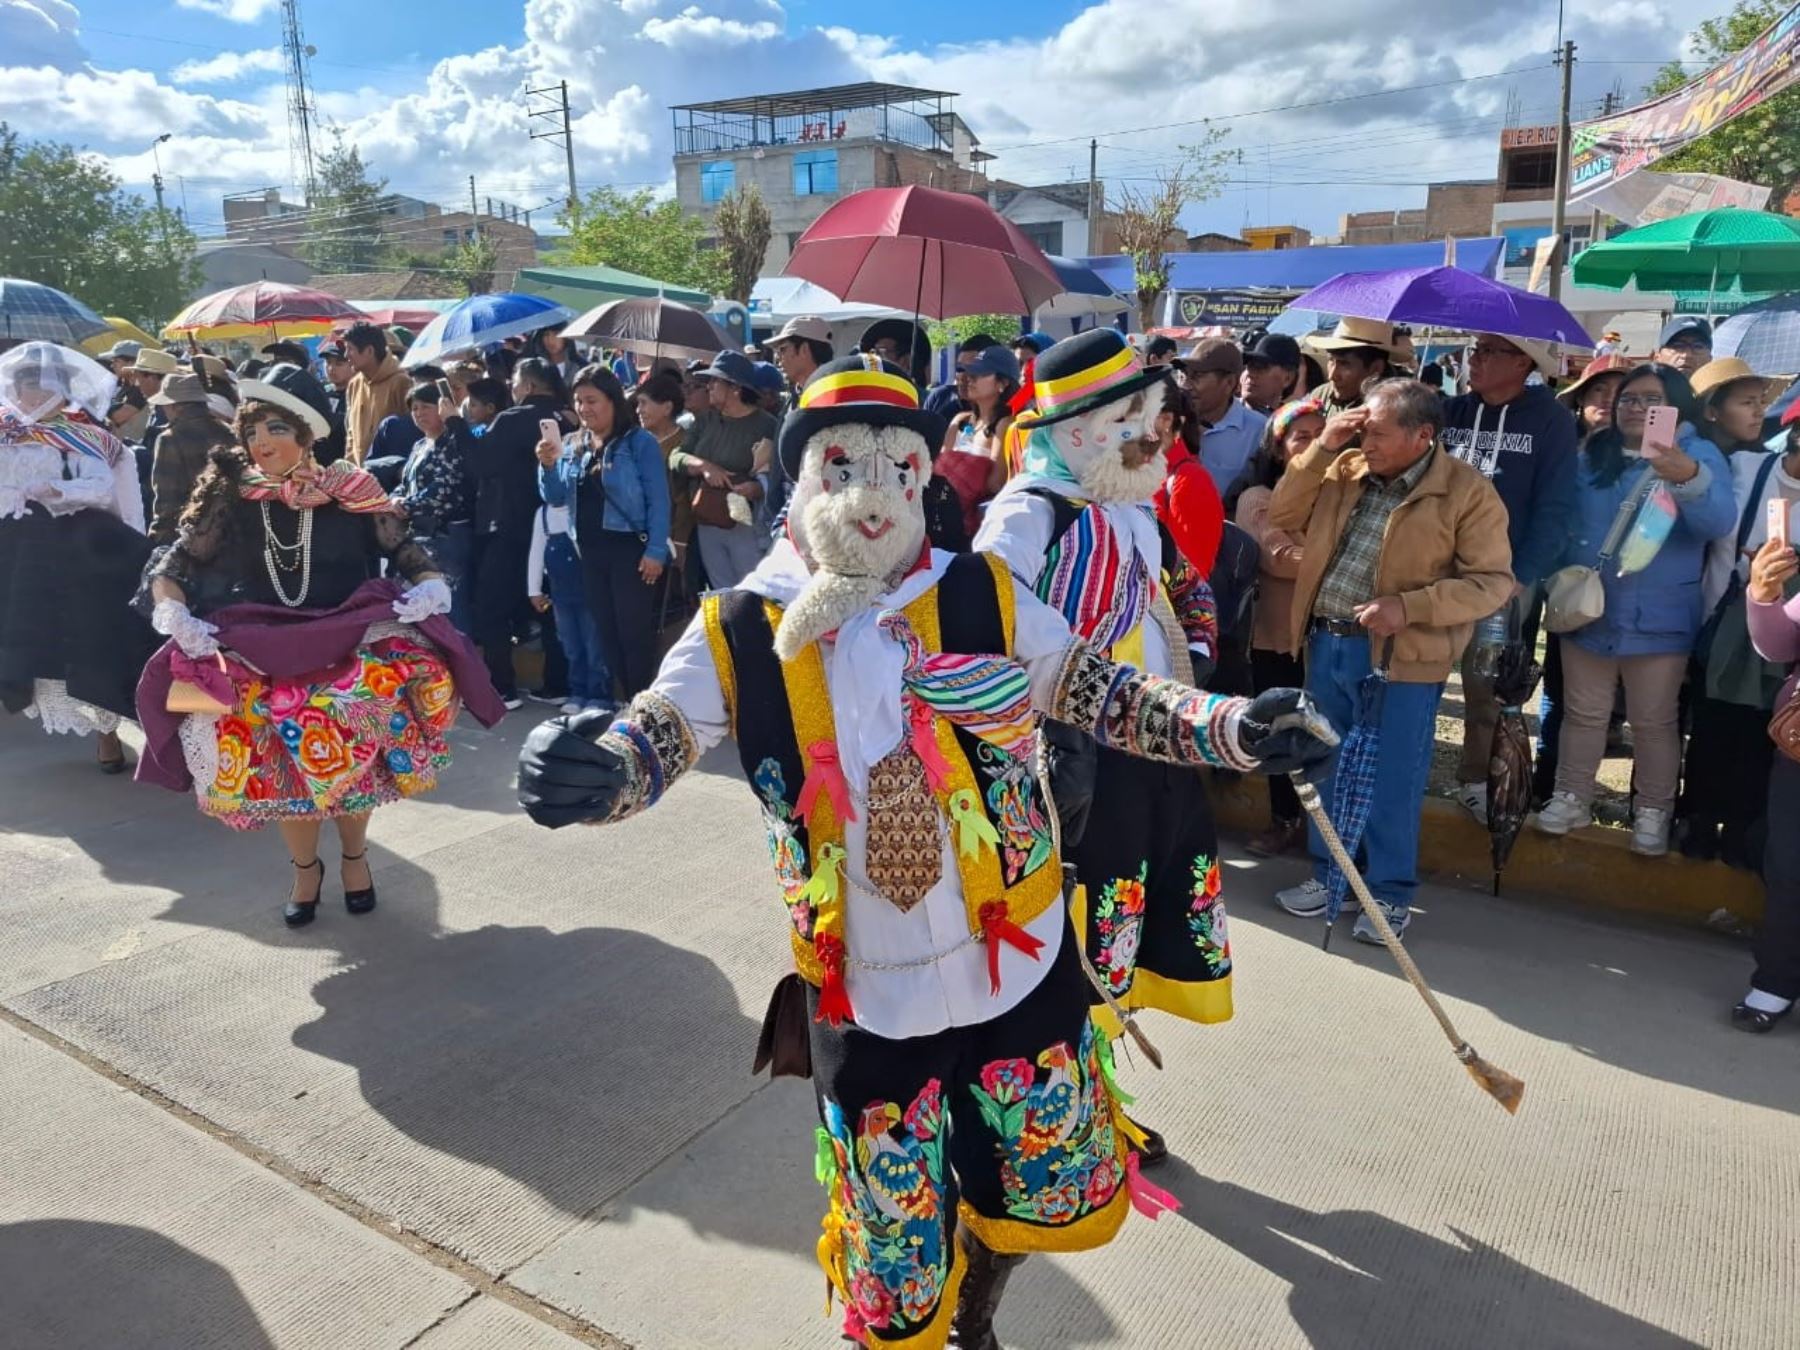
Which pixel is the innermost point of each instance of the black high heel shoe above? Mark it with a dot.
(297, 915)
(360, 902)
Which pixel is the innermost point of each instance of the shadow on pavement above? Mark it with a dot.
(1360, 1279)
(71, 1283)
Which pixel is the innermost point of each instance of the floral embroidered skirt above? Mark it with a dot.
(1149, 905)
(1010, 1128)
(336, 743)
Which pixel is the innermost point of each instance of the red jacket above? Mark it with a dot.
(1188, 505)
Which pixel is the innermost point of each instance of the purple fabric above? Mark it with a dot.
(1775, 633)
(1446, 297)
(288, 643)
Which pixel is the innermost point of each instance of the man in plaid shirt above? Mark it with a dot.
(1405, 551)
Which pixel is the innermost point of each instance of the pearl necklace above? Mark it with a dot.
(279, 557)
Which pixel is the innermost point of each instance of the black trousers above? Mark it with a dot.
(1278, 670)
(1777, 945)
(500, 562)
(624, 608)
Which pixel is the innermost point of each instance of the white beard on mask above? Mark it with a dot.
(1106, 479)
(1093, 446)
(831, 516)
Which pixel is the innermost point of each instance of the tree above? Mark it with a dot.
(742, 220)
(951, 333)
(64, 222)
(1147, 217)
(638, 233)
(1761, 146)
(343, 231)
(472, 264)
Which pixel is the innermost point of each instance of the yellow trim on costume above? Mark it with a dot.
(1192, 1001)
(721, 654)
(1082, 378)
(858, 379)
(1129, 650)
(809, 704)
(1012, 1237)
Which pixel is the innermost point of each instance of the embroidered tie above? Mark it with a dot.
(904, 855)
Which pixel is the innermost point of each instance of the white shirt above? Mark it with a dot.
(863, 669)
(1019, 527)
(549, 520)
(34, 465)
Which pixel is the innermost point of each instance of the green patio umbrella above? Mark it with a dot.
(581, 287)
(1707, 253)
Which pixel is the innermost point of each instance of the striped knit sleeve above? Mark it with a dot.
(1146, 715)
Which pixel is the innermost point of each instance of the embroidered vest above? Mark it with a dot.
(781, 717)
(1075, 582)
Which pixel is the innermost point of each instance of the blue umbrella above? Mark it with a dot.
(480, 320)
(1085, 291)
(1766, 335)
(33, 312)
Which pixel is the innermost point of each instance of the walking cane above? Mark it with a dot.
(1497, 1083)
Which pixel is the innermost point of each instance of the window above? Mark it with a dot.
(1047, 235)
(815, 173)
(451, 239)
(717, 179)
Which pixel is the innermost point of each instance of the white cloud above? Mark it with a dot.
(691, 30)
(237, 11)
(227, 66)
(40, 33)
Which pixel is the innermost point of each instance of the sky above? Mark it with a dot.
(1400, 94)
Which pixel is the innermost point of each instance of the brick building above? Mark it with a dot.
(1456, 210)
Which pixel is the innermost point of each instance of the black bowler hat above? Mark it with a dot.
(863, 389)
(1081, 373)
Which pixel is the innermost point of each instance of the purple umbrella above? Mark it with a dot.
(1446, 297)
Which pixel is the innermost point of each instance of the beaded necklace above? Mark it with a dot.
(280, 556)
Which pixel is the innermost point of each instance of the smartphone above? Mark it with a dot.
(1659, 429)
(443, 387)
(551, 430)
(1778, 522)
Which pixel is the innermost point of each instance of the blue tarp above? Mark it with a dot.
(1299, 269)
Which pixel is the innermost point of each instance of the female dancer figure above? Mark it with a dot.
(333, 690)
(71, 545)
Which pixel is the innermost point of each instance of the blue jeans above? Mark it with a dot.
(1389, 855)
(575, 626)
(454, 550)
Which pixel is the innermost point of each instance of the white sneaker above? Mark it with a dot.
(1564, 812)
(1650, 832)
(1306, 901)
(1472, 797)
(572, 707)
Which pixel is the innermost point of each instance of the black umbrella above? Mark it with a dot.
(652, 327)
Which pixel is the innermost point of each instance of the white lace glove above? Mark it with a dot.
(424, 600)
(193, 635)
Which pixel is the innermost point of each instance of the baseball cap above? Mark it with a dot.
(1686, 325)
(733, 368)
(1272, 349)
(331, 351)
(1214, 355)
(1038, 340)
(767, 377)
(803, 328)
(995, 360)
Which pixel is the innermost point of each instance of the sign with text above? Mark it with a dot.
(1230, 309)
(1607, 149)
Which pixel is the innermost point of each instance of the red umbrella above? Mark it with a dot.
(406, 316)
(922, 249)
(266, 309)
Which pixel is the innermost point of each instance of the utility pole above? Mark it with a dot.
(1093, 211)
(1560, 209)
(474, 215)
(156, 181)
(555, 112)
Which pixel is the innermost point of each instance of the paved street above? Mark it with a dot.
(513, 1109)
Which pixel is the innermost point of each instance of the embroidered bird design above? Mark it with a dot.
(1050, 1105)
(896, 1169)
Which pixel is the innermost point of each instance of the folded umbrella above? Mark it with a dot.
(1509, 755)
(1446, 297)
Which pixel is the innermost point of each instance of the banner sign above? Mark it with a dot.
(1230, 309)
(1607, 149)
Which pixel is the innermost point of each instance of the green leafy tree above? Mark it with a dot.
(742, 220)
(1149, 218)
(64, 222)
(472, 264)
(1761, 146)
(344, 218)
(947, 334)
(638, 233)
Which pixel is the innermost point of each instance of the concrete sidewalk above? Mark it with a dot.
(514, 1106)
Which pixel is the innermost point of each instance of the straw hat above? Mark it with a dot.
(1351, 333)
(1610, 364)
(1715, 375)
(154, 361)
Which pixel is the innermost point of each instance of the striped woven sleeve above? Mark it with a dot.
(1146, 715)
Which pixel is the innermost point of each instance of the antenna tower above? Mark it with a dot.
(299, 99)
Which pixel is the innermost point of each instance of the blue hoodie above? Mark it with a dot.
(1526, 449)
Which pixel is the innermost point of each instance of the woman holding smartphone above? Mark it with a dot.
(1652, 616)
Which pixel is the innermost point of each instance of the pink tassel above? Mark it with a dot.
(1147, 1198)
(925, 745)
(827, 774)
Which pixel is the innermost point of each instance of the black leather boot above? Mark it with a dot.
(984, 1281)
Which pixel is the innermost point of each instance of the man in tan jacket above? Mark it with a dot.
(377, 388)
(1405, 551)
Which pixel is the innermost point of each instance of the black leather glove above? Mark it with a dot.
(564, 777)
(1284, 731)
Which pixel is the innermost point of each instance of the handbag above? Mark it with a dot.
(193, 696)
(1784, 727)
(784, 1046)
(1575, 596)
(712, 506)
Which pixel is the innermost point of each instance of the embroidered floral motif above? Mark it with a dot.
(884, 1235)
(1015, 804)
(1118, 929)
(786, 851)
(1061, 1155)
(1206, 915)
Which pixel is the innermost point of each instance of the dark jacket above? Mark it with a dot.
(179, 459)
(504, 461)
(1526, 449)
